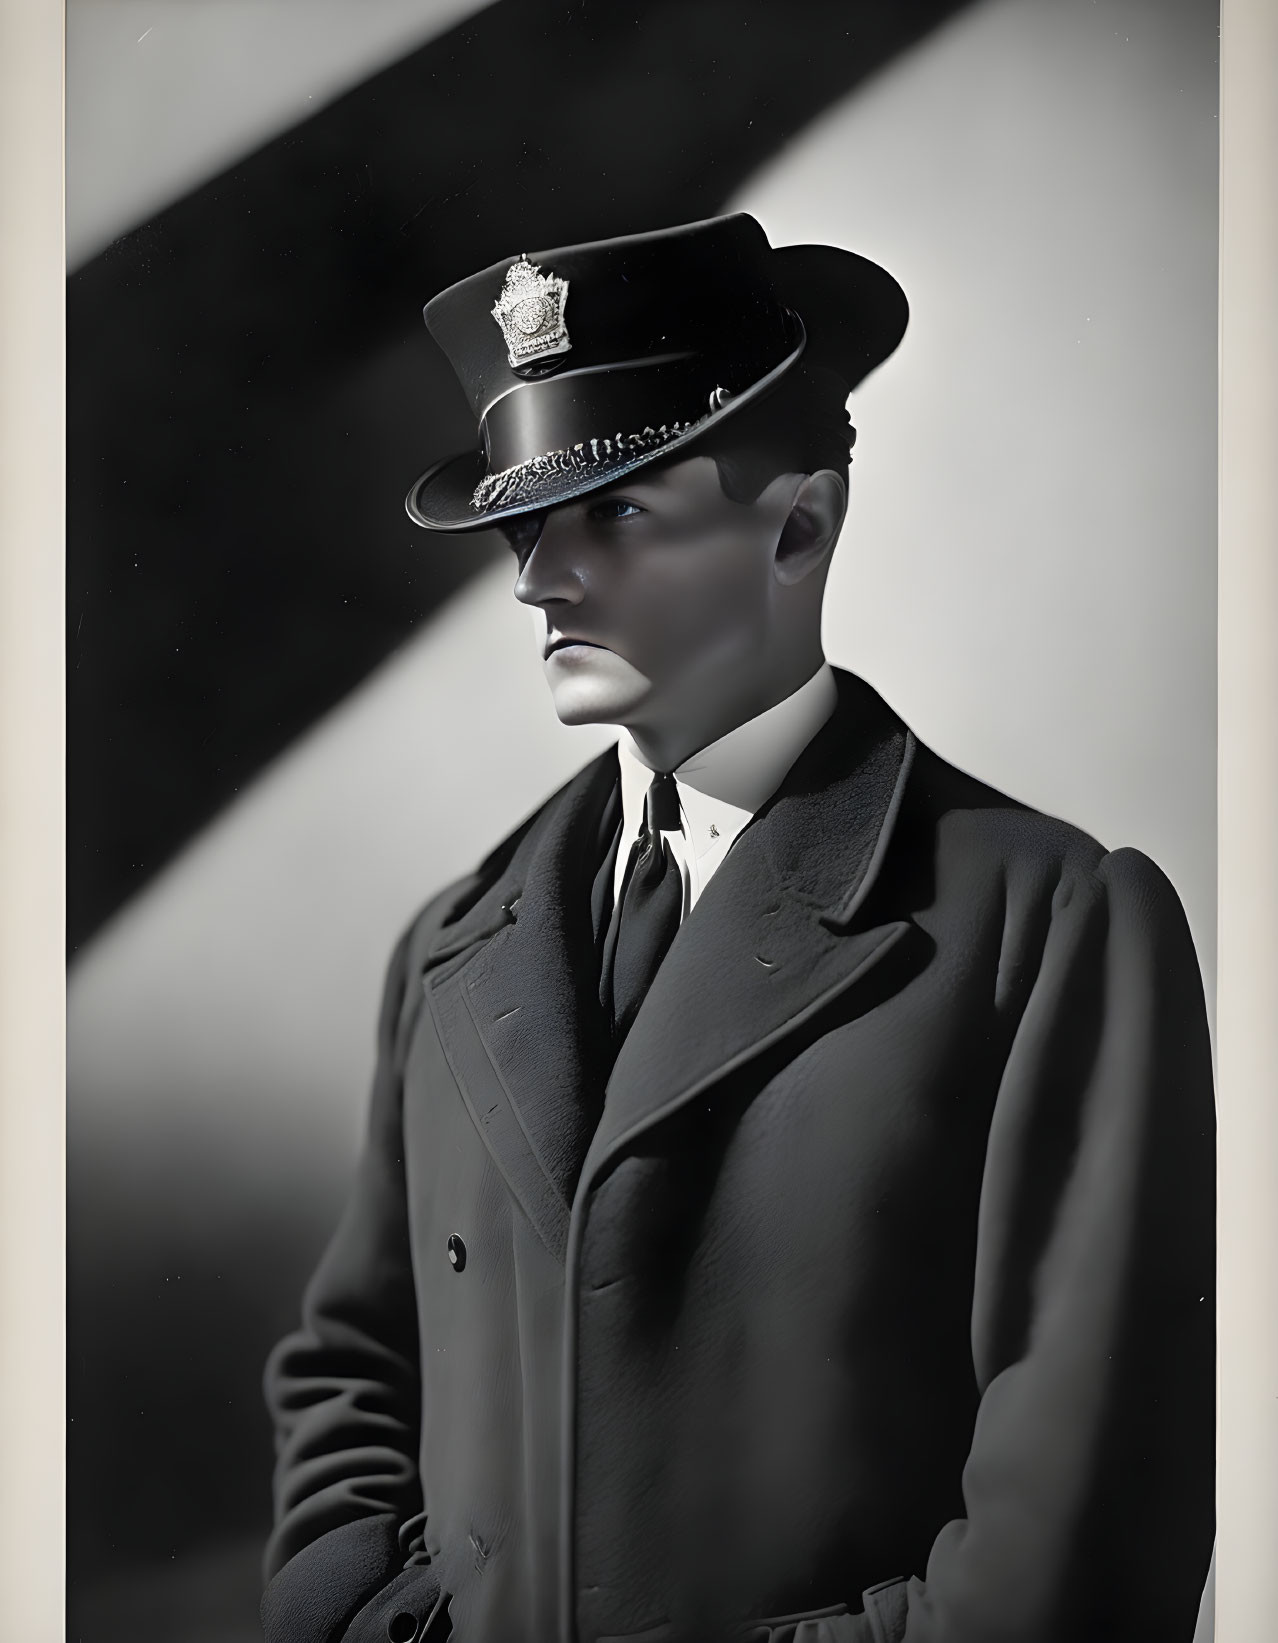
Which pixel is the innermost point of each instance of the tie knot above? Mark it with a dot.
(663, 803)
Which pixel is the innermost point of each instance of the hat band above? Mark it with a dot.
(542, 478)
(564, 412)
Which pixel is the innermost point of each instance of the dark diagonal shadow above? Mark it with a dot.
(250, 387)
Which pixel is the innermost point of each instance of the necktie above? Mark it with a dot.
(649, 911)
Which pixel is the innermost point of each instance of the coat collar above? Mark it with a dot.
(512, 982)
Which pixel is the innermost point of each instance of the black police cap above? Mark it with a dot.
(584, 363)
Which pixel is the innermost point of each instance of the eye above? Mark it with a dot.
(521, 534)
(615, 507)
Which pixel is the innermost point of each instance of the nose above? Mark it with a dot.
(553, 572)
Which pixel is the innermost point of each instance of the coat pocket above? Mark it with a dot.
(887, 1609)
(794, 1628)
(805, 1627)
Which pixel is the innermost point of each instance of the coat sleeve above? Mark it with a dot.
(1088, 1488)
(344, 1394)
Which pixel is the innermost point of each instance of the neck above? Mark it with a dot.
(664, 742)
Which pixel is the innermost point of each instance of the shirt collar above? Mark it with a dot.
(722, 785)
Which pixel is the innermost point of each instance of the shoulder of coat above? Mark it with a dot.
(976, 828)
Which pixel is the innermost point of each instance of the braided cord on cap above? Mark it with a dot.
(542, 476)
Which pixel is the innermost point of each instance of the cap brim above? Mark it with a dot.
(440, 500)
(854, 312)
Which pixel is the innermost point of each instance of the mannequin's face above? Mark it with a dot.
(660, 598)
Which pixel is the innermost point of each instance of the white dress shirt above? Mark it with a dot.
(722, 786)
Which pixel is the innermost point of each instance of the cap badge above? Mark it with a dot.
(530, 311)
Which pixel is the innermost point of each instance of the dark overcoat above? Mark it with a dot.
(867, 1297)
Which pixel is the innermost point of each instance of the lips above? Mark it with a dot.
(562, 640)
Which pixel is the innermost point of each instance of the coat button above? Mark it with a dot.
(402, 1627)
(456, 1253)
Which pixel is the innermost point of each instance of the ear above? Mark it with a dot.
(812, 526)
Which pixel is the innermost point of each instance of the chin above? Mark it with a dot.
(575, 706)
(604, 696)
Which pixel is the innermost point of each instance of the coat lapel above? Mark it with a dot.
(512, 987)
(777, 934)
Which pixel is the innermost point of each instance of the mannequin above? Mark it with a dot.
(863, 1293)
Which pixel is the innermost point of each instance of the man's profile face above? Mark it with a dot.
(659, 593)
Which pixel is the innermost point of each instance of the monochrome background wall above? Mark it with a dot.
(292, 716)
